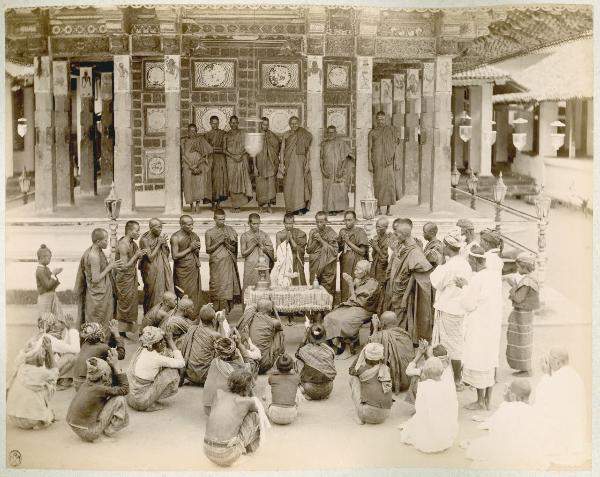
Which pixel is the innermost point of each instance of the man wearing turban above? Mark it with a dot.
(449, 312)
(491, 241)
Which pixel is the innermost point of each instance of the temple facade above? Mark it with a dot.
(107, 93)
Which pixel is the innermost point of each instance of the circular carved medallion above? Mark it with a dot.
(279, 76)
(338, 77)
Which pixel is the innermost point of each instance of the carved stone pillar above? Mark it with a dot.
(123, 122)
(442, 121)
(45, 164)
(480, 99)
(398, 111)
(108, 134)
(411, 145)
(314, 123)
(87, 173)
(426, 132)
(62, 125)
(173, 141)
(458, 106)
(29, 150)
(364, 101)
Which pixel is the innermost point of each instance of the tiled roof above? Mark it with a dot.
(484, 72)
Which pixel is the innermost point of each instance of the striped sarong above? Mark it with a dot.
(225, 453)
(479, 379)
(448, 330)
(520, 339)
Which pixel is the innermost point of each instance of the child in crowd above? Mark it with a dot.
(283, 395)
(47, 282)
(415, 367)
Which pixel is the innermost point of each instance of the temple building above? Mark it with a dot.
(96, 95)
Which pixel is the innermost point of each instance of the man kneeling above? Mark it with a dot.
(235, 425)
(283, 394)
(99, 406)
(371, 385)
(153, 373)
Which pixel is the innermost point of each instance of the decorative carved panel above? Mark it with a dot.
(315, 45)
(145, 44)
(154, 161)
(339, 46)
(118, 44)
(284, 75)
(279, 116)
(202, 116)
(78, 29)
(365, 46)
(338, 116)
(155, 120)
(213, 74)
(405, 48)
(337, 75)
(75, 46)
(339, 20)
(154, 75)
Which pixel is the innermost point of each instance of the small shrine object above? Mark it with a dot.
(264, 281)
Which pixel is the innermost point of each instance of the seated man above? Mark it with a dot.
(398, 348)
(32, 386)
(65, 344)
(179, 322)
(371, 385)
(152, 374)
(345, 321)
(414, 370)
(316, 364)
(264, 331)
(236, 422)
(514, 434)
(282, 395)
(198, 344)
(93, 346)
(156, 315)
(226, 361)
(99, 406)
(434, 426)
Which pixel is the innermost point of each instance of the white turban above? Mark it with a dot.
(455, 239)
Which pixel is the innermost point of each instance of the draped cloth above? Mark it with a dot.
(299, 237)
(335, 170)
(95, 300)
(267, 164)
(409, 263)
(251, 261)
(297, 180)
(319, 357)
(434, 252)
(398, 351)
(265, 333)
(238, 175)
(30, 393)
(281, 274)
(198, 350)
(349, 258)
(186, 270)
(196, 165)
(379, 264)
(156, 272)
(322, 258)
(220, 183)
(127, 284)
(383, 143)
(224, 276)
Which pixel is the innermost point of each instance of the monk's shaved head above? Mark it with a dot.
(559, 357)
(389, 319)
(404, 229)
(170, 299)
(154, 221)
(185, 219)
(382, 222)
(264, 305)
(430, 227)
(521, 389)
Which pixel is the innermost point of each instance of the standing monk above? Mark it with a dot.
(240, 185)
(382, 162)
(354, 247)
(434, 250)
(155, 266)
(126, 277)
(220, 185)
(185, 247)
(380, 245)
(296, 239)
(295, 167)
(408, 291)
(94, 284)
(196, 165)
(253, 244)
(335, 160)
(266, 167)
(323, 249)
(221, 246)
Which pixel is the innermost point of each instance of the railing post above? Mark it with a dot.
(542, 258)
(498, 218)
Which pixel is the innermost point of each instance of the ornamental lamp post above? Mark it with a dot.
(519, 138)
(22, 127)
(557, 139)
(113, 207)
(454, 180)
(465, 132)
(542, 207)
(24, 184)
(472, 184)
(499, 191)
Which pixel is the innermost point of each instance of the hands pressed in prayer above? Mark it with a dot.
(163, 239)
(47, 343)
(113, 327)
(69, 320)
(376, 322)
(57, 271)
(196, 245)
(112, 358)
(347, 277)
(220, 316)
(460, 282)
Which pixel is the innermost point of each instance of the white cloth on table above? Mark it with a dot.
(281, 274)
(443, 279)
(149, 363)
(482, 301)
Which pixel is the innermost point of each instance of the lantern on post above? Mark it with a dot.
(542, 207)
(113, 208)
(24, 184)
(519, 138)
(557, 139)
(22, 127)
(465, 130)
(254, 141)
(499, 191)
(454, 180)
(472, 184)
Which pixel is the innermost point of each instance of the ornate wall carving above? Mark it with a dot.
(339, 45)
(118, 44)
(213, 74)
(145, 44)
(284, 75)
(315, 45)
(202, 116)
(73, 46)
(338, 75)
(155, 121)
(154, 75)
(340, 21)
(365, 46)
(154, 161)
(339, 117)
(279, 116)
(405, 48)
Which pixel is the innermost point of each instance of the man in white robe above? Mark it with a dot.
(449, 312)
(491, 242)
(467, 230)
(560, 399)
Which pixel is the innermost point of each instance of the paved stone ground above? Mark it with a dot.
(172, 438)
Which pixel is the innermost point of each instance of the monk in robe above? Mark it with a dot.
(159, 312)
(126, 278)
(255, 244)
(380, 245)
(398, 350)
(408, 291)
(264, 331)
(434, 250)
(198, 344)
(266, 165)
(94, 285)
(220, 184)
(322, 251)
(343, 324)
(335, 160)
(179, 322)
(238, 175)
(296, 239)
(196, 154)
(295, 168)
(383, 164)
(185, 247)
(354, 247)
(221, 246)
(155, 267)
